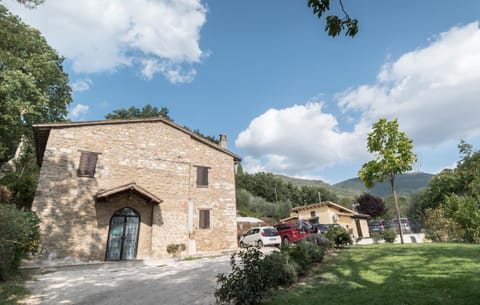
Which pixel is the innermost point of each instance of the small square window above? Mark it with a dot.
(204, 219)
(313, 214)
(202, 176)
(87, 164)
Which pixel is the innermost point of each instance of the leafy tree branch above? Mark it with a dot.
(334, 24)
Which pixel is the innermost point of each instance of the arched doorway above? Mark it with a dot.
(123, 235)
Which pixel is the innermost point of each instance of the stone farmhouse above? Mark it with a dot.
(126, 189)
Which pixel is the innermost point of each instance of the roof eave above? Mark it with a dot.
(41, 140)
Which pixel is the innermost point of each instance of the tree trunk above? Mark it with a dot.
(397, 209)
(10, 165)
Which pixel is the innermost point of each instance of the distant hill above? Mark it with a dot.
(404, 184)
(300, 182)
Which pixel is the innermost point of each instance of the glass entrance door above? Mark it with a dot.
(123, 235)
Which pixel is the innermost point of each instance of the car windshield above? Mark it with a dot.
(375, 223)
(270, 232)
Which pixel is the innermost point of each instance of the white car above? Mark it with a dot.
(261, 236)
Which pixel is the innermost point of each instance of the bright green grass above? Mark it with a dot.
(414, 274)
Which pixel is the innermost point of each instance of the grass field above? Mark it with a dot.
(414, 274)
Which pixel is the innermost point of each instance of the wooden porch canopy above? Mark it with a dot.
(131, 188)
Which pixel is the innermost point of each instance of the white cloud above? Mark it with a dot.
(104, 35)
(434, 92)
(297, 140)
(174, 73)
(81, 85)
(77, 111)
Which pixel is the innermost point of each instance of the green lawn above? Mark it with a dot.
(393, 274)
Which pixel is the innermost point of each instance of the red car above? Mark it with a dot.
(292, 232)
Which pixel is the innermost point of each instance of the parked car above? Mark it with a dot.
(303, 225)
(261, 236)
(393, 224)
(323, 228)
(292, 232)
(377, 226)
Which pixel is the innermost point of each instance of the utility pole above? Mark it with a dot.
(276, 196)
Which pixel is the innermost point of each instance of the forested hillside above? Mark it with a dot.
(269, 195)
(405, 184)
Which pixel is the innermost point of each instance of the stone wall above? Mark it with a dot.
(157, 157)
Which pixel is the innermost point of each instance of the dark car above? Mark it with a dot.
(292, 232)
(393, 224)
(377, 226)
(323, 228)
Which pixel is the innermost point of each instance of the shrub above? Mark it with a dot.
(315, 253)
(319, 240)
(254, 274)
(246, 283)
(464, 211)
(280, 269)
(300, 255)
(174, 249)
(438, 227)
(389, 236)
(19, 237)
(376, 236)
(339, 237)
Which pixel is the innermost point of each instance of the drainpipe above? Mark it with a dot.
(192, 244)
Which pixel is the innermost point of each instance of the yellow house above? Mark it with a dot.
(327, 212)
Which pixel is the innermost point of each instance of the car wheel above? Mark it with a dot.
(259, 244)
(285, 242)
(242, 245)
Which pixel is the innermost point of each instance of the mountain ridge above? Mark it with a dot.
(405, 184)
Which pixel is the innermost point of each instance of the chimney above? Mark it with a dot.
(223, 141)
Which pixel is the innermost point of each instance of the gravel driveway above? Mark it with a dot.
(142, 283)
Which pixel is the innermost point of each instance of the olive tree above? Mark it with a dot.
(33, 89)
(393, 151)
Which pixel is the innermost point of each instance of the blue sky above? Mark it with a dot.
(290, 99)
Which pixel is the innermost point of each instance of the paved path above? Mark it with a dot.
(153, 282)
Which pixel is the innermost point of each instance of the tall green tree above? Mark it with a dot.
(465, 212)
(147, 111)
(394, 155)
(461, 193)
(453, 191)
(33, 86)
(33, 89)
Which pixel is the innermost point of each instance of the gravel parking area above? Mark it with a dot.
(165, 282)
